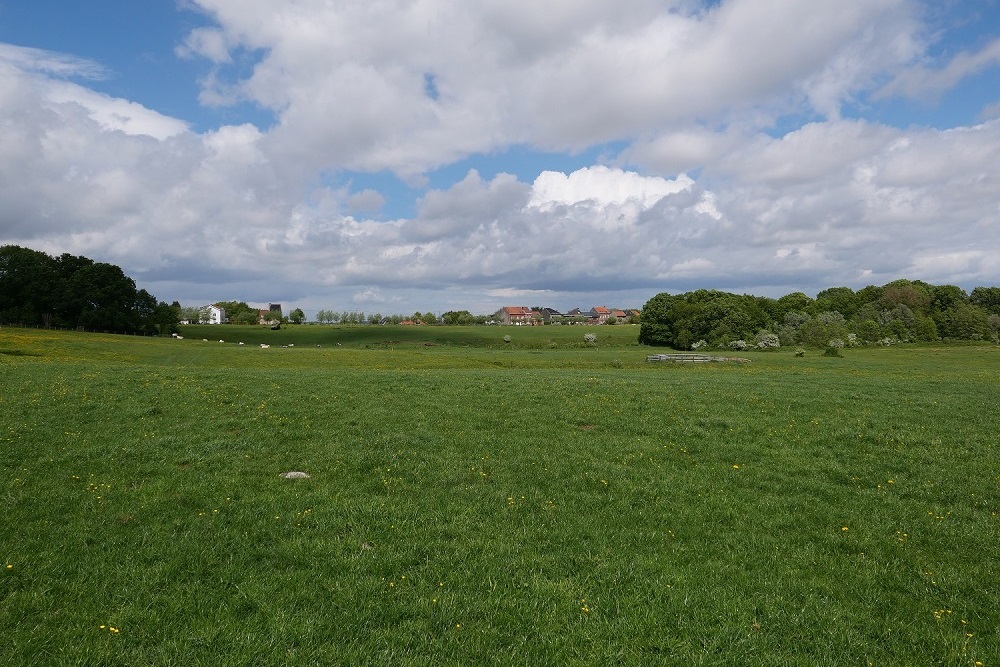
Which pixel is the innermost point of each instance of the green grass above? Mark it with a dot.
(476, 502)
(397, 337)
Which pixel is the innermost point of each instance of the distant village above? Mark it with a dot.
(522, 316)
(507, 316)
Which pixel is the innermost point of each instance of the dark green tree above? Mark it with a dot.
(29, 284)
(987, 298)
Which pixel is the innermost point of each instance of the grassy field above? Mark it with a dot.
(471, 501)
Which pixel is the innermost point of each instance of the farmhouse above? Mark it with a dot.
(271, 314)
(212, 314)
(517, 315)
(599, 314)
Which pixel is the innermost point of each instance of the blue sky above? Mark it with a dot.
(401, 156)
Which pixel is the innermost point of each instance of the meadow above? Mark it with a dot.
(475, 501)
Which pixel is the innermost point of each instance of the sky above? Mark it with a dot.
(434, 155)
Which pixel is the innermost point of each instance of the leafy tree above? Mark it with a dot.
(297, 316)
(27, 278)
(867, 330)
(454, 317)
(678, 321)
(840, 299)
(101, 296)
(916, 296)
(796, 301)
(75, 291)
(987, 298)
(866, 295)
(994, 326)
(239, 312)
(964, 321)
(660, 316)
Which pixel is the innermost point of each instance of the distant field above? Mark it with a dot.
(624, 335)
(471, 501)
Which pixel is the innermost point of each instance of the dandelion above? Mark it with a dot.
(843, 529)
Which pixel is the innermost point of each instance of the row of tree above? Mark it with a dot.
(903, 310)
(37, 289)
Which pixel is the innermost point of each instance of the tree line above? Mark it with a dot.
(452, 317)
(900, 311)
(37, 289)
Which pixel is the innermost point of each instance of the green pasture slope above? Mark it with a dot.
(474, 502)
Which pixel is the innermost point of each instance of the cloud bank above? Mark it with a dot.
(699, 188)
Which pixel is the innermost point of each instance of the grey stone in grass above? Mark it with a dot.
(295, 474)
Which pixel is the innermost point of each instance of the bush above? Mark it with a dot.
(590, 338)
(507, 338)
(768, 341)
(832, 352)
(799, 352)
(700, 343)
(836, 342)
(738, 345)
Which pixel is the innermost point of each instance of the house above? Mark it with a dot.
(551, 316)
(620, 316)
(517, 315)
(599, 315)
(272, 314)
(211, 314)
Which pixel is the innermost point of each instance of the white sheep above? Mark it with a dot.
(264, 346)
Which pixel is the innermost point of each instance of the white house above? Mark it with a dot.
(212, 314)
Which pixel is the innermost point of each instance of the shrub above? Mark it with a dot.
(590, 338)
(832, 352)
(738, 345)
(507, 338)
(836, 342)
(768, 341)
(799, 352)
(700, 343)
(616, 363)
